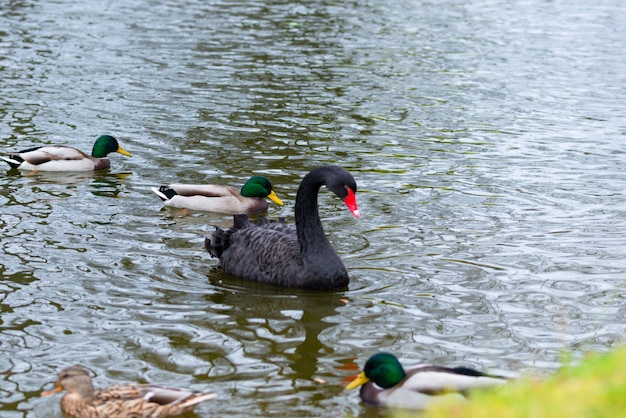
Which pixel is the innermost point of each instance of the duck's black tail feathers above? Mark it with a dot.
(14, 160)
(165, 193)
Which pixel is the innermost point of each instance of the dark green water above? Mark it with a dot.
(486, 138)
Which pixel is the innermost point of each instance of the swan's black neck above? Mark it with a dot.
(311, 234)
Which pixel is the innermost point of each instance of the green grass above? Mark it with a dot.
(594, 388)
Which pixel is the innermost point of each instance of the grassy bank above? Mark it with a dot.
(594, 388)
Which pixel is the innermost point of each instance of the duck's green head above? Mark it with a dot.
(384, 369)
(105, 145)
(259, 186)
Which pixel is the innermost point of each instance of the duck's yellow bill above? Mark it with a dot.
(272, 196)
(123, 152)
(361, 379)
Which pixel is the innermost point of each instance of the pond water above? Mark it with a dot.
(487, 139)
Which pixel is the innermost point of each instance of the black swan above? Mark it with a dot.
(279, 254)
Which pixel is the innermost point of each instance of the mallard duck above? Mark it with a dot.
(66, 158)
(274, 253)
(121, 400)
(384, 382)
(223, 199)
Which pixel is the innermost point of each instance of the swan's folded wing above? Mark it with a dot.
(282, 228)
(262, 254)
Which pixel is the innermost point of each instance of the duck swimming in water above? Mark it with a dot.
(66, 158)
(121, 400)
(384, 382)
(222, 199)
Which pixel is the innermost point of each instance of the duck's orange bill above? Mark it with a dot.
(350, 202)
(57, 389)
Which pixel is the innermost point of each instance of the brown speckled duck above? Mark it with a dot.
(121, 400)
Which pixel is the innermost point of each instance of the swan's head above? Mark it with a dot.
(343, 185)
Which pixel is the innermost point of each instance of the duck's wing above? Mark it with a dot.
(118, 392)
(435, 380)
(147, 400)
(401, 397)
(207, 190)
(41, 155)
(212, 198)
(165, 395)
(55, 158)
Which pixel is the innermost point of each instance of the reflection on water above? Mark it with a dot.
(289, 329)
(59, 184)
(481, 136)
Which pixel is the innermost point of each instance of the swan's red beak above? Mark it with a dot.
(350, 202)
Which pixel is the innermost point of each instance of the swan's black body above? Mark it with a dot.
(275, 253)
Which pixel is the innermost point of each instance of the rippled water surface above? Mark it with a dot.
(487, 139)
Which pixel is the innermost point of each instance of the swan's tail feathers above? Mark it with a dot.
(13, 160)
(211, 247)
(164, 192)
(217, 243)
